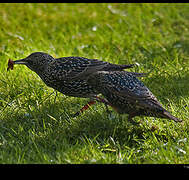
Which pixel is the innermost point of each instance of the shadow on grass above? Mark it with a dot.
(52, 124)
(97, 124)
(50, 130)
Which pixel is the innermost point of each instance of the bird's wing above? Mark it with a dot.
(126, 85)
(72, 68)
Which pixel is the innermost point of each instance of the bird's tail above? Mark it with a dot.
(169, 116)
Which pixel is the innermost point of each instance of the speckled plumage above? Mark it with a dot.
(82, 77)
(69, 75)
(126, 94)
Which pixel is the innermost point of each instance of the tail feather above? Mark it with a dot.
(169, 116)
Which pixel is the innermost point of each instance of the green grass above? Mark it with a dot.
(35, 125)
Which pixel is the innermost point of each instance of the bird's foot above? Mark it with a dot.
(85, 107)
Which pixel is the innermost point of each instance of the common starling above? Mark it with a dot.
(126, 94)
(69, 75)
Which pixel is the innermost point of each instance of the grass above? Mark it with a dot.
(35, 124)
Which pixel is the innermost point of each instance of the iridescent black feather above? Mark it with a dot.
(82, 77)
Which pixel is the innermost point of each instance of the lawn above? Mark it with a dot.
(35, 121)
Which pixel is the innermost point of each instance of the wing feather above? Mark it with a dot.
(72, 68)
(78, 67)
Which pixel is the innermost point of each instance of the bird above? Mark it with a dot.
(69, 75)
(87, 78)
(128, 95)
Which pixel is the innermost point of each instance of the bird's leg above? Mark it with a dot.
(85, 107)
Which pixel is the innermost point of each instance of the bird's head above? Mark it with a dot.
(36, 61)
